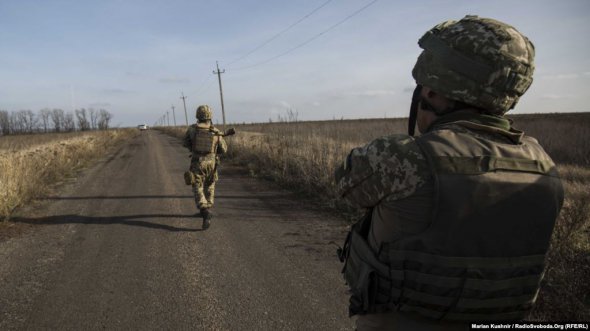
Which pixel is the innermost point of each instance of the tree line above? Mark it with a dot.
(53, 120)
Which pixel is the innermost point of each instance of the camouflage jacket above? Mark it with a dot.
(391, 167)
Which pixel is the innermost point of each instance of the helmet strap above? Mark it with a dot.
(414, 110)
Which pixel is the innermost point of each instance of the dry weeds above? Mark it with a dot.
(29, 164)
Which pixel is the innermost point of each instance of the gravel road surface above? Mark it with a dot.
(121, 248)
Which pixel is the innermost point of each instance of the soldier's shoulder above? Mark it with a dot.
(400, 147)
(190, 129)
(393, 167)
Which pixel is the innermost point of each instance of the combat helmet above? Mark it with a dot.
(481, 62)
(204, 112)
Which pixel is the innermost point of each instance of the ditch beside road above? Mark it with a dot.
(121, 248)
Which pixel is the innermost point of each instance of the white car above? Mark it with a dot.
(142, 127)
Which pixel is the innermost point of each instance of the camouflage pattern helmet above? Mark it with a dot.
(479, 61)
(204, 113)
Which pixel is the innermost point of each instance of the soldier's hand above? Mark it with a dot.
(230, 132)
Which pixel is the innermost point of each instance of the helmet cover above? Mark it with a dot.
(479, 61)
(204, 113)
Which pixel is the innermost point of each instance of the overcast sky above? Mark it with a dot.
(134, 58)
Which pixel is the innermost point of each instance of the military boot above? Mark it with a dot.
(207, 216)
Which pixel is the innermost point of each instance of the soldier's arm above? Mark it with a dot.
(186, 141)
(221, 145)
(390, 167)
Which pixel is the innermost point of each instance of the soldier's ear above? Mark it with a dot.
(428, 92)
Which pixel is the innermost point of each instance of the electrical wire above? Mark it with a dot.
(280, 33)
(308, 40)
(207, 79)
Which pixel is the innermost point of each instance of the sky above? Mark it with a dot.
(135, 58)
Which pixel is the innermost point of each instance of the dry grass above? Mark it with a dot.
(564, 136)
(19, 142)
(302, 156)
(565, 292)
(29, 164)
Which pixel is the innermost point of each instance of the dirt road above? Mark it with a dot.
(121, 248)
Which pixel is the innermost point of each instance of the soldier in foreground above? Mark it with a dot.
(460, 218)
(205, 142)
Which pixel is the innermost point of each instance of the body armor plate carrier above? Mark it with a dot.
(482, 257)
(203, 141)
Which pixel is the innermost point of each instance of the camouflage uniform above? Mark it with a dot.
(204, 160)
(204, 167)
(448, 234)
(391, 175)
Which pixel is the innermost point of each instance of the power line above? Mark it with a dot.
(310, 39)
(205, 81)
(280, 33)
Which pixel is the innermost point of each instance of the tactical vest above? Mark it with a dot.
(203, 141)
(482, 257)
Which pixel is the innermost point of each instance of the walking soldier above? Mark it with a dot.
(205, 143)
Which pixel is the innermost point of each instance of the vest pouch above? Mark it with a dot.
(363, 273)
(189, 178)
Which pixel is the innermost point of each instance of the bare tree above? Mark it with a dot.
(104, 119)
(44, 115)
(4, 122)
(83, 124)
(57, 117)
(68, 123)
(29, 120)
(16, 125)
(93, 118)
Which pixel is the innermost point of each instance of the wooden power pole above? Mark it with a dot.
(173, 115)
(184, 103)
(218, 73)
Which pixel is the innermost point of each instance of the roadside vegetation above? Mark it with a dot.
(30, 164)
(302, 156)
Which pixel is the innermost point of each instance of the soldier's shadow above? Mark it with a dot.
(132, 220)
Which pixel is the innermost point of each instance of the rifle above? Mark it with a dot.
(228, 132)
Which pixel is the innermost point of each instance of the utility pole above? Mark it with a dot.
(173, 115)
(168, 117)
(218, 73)
(184, 103)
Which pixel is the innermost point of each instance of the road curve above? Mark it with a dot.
(121, 248)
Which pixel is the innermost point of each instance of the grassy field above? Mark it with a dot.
(29, 164)
(302, 156)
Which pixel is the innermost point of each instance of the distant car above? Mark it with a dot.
(142, 127)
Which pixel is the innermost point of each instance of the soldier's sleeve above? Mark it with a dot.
(186, 141)
(221, 146)
(391, 167)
